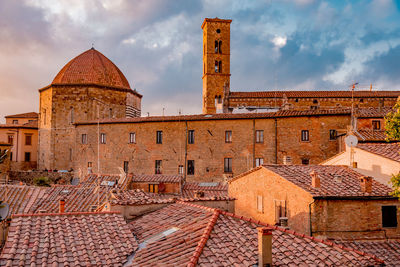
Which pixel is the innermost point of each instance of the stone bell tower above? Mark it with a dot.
(216, 63)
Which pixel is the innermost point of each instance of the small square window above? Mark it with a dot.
(153, 188)
(132, 138)
(259, 136)
(190, 167)
(84, 139)
(15, 121)
(305, 135)
(228, 136)
(305, 161)
(180, 169)
(159, 137)
(102, 138)
(376, 125)
(90, 164)
(259, 162)
(158, 167)
(389, 216)
(228, 165)
(332, 134)
(191, 137)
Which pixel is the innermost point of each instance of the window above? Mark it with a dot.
(180, 169)
(287, 160)
(132, 138)
(191, 137)
(11, 155)
(216, 67)
(190, 167)
(126, 166)
(376, 125)
(305, 161)
(389, 216)
(158, 167)
(219, 47)
(228, 165)
(216, 46)
(153, 188)
(304, 135)
(259, 136)
(11, 139)
(28, 140)
(72, 115)
(90, 164)
(228, 136)
(361, 100)
(218, 30)
(102, 138)
(84, 139)
(27, 156)
(259, 161)
(31, 121)
(315, 101)
(260, 208)
(111, 113)
(332, 134)
(280, 209)
(159, 137)
(70, 154)
(15, 122)
(220, 66)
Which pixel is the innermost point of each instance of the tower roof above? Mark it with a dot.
(92, 67)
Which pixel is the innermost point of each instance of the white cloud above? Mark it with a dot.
(279, 41)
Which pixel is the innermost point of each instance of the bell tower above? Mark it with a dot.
(216, 63)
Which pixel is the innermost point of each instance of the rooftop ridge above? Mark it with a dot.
(204, 238)
(64, 214)
(245, 173)
(328, 243)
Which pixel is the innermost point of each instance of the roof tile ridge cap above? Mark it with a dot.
(204, 238)
(244, 174)
(64, 213)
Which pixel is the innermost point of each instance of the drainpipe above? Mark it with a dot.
(254, 142)
(276, 140)
(186, 136)
(309, 212)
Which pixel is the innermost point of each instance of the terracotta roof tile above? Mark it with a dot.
(104, 180)
(161, 178)
(28, 125)
(387, 150)
(91, 67)
(68, 239)
(33, 115)
(313, 94)
(373, 112)
(365, 135)
(210, 190)
(387, 250)
(349, 186)
(139, 197)
(21, 198)
(183, 234)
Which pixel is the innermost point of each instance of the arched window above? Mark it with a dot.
(220, 47)
(220, 66)
(216, 67)
(216, 46)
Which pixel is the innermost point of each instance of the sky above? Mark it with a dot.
(157, 44)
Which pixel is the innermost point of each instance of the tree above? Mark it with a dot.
(392, 126)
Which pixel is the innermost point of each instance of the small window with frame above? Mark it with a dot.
(228, 136)
(376, 125)
(305, 136)
(389, 216)
(259, 136)
(132, 138)
(332, 135)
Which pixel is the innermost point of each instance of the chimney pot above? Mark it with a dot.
(62, 206)
(315, 180)
(264, 247)
(366, 184)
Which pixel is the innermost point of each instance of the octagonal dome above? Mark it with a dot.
(91, 67)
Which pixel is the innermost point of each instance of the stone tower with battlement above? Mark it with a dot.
(216, 63)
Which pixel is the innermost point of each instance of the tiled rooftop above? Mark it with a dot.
(68, 239)
(28, 125)
(330, 184)
(210, 189)
(139, 197)
(387, 250)
(365, 135)
(33, 115)
(314, 94)
(183, 234)
(21, 198)
(161, 178)
(77, 199)
(372, 112)
(104, 180)
(387, 150)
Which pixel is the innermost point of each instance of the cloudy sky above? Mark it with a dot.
(275, 44)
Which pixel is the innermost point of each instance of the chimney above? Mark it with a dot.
(264, 247)
(315, 180)
(366, 184)
(62, 206)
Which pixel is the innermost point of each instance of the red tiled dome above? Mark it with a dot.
(91, 67)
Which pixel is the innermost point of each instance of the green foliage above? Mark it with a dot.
(41, 181)
(392, 123)
(392, 126)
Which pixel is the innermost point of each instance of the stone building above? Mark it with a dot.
(217, 96)
(324, 201)
(21, 131)
(89, 87)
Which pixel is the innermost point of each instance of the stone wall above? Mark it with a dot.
(27, 177)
